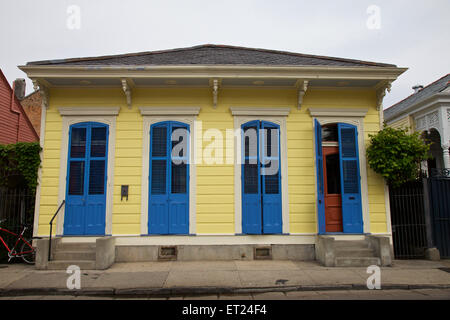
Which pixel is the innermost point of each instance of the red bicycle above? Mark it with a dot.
(27, 252)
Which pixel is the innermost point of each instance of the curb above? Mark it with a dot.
(176, 291)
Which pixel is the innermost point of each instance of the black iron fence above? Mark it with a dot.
(420, 216)
(439, 187)
(16, 209)
(408, 220)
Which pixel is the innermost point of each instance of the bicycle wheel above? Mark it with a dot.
(30, 256)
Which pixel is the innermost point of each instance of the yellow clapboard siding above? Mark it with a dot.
(218, 207)
(128, 228)
(215, 218)
(214, 189)
(215, 228)
(215, 194)
(302, 227)
(214, 199)
(126, 218)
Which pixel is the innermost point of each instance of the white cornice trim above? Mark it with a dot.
(89, 111)
(166, 111)
(325, 112)
(256, 111)
(217, 71)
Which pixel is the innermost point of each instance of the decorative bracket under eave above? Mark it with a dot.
(381, 92)
(302, 87)
(43, 90)
(215, 87)
(126, 87)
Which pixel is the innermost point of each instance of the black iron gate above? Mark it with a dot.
(439, 187)
(409, 229)
(16, 209)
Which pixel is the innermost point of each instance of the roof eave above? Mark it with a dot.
(441, 97)
(208, 71)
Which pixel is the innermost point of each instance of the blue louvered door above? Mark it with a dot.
(320, 181)
(86, 179)
(350, 178)
(261, 178)
(169, 178)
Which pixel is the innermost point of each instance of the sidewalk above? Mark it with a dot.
(173, 278)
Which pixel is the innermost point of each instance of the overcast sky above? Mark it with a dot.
(413, 34)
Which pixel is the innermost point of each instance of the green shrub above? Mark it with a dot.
(396, 155)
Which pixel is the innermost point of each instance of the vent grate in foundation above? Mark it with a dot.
(262, 253)
(167, 253)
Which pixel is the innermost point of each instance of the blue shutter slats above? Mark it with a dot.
(76, 178)
(96, 177)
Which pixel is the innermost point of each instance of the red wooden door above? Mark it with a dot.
(332, 189)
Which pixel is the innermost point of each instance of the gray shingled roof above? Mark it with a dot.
(211, 54)
(431, 89)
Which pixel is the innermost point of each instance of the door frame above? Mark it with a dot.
(74, 115)
(354, 117)
(152, 115)
(277, 116)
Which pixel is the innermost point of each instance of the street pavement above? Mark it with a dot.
(240, 280)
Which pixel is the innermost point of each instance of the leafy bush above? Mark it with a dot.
(396, 155)
(19, 164)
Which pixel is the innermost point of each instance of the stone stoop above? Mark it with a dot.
(356, 253)
(98, 254)
(333, 251)
(82, 255)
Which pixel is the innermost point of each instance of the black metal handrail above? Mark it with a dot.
(51, 226)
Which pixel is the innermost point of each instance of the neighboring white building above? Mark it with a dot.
(427, 110)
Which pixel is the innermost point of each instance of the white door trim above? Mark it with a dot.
(279, 118)
(84, 115)
(152, 115)
(335, 116)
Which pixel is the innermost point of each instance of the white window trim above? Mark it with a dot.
(275, 115)
(73, 115)
(356, 118)
(152, 115)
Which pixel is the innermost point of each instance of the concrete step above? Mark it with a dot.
(362, 244)
(73, 255)
(69, 246)
(63, 264)
(356, 261)
(354, 252)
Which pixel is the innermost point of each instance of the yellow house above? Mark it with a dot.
(210, 152)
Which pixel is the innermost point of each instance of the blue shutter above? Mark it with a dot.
(271, 177)
(158, 220)
(251, 191)
(179, 180)
(350, 179)
(320, 183)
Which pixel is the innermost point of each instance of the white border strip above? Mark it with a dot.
(153, 115)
